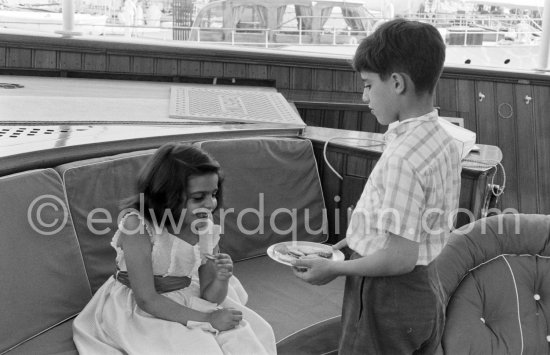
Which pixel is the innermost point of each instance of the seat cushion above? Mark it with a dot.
(501, 308)
(58, 340)
(41, 269)
(493, 276)
(95, 189)
(286, 302)
(272, 193)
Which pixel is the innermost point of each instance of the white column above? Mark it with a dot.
(545, 40)
(67, 8)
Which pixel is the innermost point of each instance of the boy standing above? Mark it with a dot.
(405, 213)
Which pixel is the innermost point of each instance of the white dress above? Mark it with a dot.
(112, 323)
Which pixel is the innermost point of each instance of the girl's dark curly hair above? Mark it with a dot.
(163, 180)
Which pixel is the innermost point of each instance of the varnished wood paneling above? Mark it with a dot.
(322, 80)
(332, 186)
(166, 67)
(446, 95)
(233, 70)
(486, 113)
(542, 136)
(351, 120)
(301, 79)
(2, 57)
(369, 123)
(507, 141)
(526, 150)
(211, 69)
(281, 75)
(312, 117)
(95, 62)
(70, 61)
(19, 58)
(119, 63)
(45, 59)
(344, 81)
(257, 71)
(466, 106)
(189, 68)
(359, 166)
(143, 65)
(331, 119)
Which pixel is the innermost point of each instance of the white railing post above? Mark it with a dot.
(67, 8)
(334, 35)
(545, 40)
(300, 31)
(266, 38)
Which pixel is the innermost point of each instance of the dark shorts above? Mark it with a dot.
(391, 315)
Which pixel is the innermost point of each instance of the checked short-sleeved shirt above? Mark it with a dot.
(413, 191)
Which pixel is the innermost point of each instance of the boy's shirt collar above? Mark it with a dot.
(399, 127)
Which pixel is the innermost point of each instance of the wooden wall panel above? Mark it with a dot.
(507, 141)
(281, 75)
(345, 81)
(2, 57)
(331, 119)
(212, 69)
(19, 58)
(466, 107)
(486, 113)
(45, 59)
(541, 103)
(446, 96)
(332, 187)
(95, 62)
(301, 79)
(526, 150)
(257, 71)
(143, 65)
(351, 120)
(166, 67)
(119, 63)
(322, 80)
(189, 68)
(234, 70)
(70, 61)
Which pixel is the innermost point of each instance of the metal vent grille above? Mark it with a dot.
(28, 132)
(236, 105)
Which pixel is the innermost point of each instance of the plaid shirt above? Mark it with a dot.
(412, 191)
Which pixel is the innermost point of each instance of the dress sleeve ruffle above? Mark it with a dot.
(121, 227)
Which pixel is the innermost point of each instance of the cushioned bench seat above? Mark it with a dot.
(288, 303)
(47, 279)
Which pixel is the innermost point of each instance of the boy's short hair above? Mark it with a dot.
(399, 45)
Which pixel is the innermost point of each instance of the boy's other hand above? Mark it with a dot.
(313, 270)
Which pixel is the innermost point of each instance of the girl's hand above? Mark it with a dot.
(224, 266)
(225, 318)
(341, 244)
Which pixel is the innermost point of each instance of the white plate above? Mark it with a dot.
(337, 255)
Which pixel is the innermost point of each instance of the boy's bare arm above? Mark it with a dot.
(397, 258)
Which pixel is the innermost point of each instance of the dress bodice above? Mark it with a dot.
(171, 256)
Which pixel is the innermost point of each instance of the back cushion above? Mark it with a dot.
(501, 308)
(42, 276)
(95, 189)
(272, 193)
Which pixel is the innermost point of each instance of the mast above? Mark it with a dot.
(545, 40)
